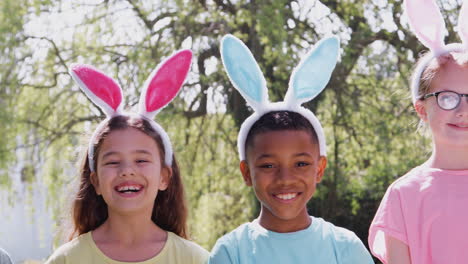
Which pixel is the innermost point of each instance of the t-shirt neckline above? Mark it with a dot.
(101, 254)
(256, 227)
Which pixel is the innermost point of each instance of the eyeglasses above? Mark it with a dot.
(447, 100)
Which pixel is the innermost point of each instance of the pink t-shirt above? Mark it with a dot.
(428, 210)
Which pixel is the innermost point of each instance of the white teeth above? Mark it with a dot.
(128, 188)
(286, 196)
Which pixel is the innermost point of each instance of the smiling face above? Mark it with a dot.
(449, 127)
(283, 167)
(129, 171)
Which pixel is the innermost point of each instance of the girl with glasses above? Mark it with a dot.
(423, 216)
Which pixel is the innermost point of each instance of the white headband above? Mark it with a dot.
(428, 25)
(308, 79)
(160, 88)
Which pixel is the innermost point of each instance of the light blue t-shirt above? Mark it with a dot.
(321, 242)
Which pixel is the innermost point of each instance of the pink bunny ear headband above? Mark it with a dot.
(160, 88)
(427, 23)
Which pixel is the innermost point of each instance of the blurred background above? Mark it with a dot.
(45, 120)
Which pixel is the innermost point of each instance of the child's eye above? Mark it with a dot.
(302, 164)
(111, 163)
(141, 161)
(266, 166)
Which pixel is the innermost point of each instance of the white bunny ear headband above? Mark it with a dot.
(427, 23)
(160, 88)
(308, 79)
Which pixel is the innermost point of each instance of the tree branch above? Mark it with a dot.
(55, 47)
(202, 108)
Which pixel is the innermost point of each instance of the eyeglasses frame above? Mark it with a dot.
(436, 94)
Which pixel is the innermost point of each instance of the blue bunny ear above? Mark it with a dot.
(244, 72)
(314, 71)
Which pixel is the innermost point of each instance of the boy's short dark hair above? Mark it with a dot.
(278, 121)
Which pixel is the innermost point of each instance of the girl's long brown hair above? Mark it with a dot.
(89, 210)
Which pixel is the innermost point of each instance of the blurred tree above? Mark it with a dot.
(12, 20)
(365, 110)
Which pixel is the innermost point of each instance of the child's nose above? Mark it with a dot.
(285, 175)
(126, 170)
(462, 109)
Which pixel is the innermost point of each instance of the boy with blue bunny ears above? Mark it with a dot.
(283, 157)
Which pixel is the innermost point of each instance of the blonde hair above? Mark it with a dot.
(434, 67)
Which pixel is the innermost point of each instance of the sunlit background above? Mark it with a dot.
(365, 110)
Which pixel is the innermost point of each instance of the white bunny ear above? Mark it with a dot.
(313, 73)
(463, 23)
(244, 72)
(427, 23)
(164, 83)
(101, 89)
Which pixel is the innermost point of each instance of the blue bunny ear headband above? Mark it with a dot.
(308, 79)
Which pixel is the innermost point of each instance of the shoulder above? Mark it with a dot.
(412, 179)
(236, 236)
(73, 249)
(349, 247)
(188, 247)
(226, 248)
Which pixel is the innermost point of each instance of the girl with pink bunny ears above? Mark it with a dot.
(423, 217)
(130, 206)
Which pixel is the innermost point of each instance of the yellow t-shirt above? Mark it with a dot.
(83, 250)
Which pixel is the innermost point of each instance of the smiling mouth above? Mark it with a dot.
(128, 188)
(459, 125)
(287, 196)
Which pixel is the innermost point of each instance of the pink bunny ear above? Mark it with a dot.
(427, 23)
(101, 89)
(164, 83)
(463, 23)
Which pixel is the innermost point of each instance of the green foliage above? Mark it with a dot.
(11, 23)
(218, 198)
(218, 214)
(366, 111)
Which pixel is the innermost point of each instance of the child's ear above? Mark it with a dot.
(322, 164)
(420, 108)
(166, 175)
(244, 168)
(95, 182)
